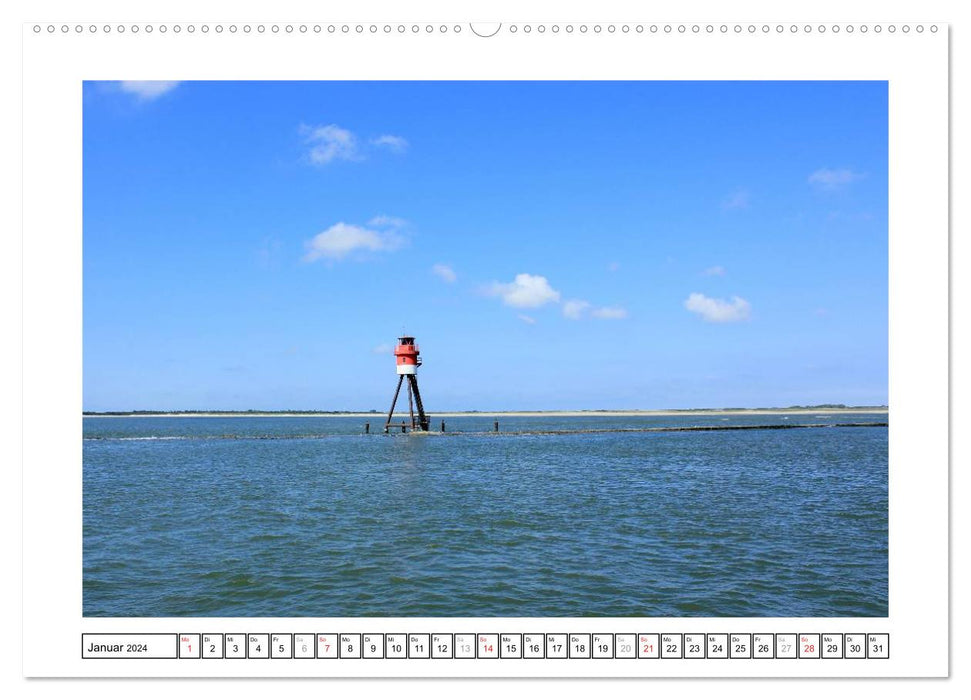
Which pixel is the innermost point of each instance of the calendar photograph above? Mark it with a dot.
(497, 349)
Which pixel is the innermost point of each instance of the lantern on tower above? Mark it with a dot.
(407, 362)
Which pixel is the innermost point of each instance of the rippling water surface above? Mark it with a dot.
(208, 517)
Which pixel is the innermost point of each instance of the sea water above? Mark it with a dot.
(308, 516)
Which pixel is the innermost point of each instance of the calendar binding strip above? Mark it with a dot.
(483, 30)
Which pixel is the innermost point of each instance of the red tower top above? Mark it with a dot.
(406, 355)
(407, 362)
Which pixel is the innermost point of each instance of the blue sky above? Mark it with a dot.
(551, 245)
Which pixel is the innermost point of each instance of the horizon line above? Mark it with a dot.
(830, 406)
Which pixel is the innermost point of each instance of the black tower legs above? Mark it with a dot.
(422, 423)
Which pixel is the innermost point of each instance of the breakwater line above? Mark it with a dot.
(692, 428)
(494, 432)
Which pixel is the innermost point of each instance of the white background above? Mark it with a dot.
(915, 65)
(602, 12)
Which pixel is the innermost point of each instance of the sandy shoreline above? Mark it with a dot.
(518, 414)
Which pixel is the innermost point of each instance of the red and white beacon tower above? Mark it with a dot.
(407, 362)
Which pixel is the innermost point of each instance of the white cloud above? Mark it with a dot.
(342, 239)
(575, 308)
(533, 291)
(329, 143)
(385, 221)
(383, 349)
(718, 310)
(714, 271)
(525, 291)
(445, 272)
(609, 313)
(832, 179)
(398, 144)
(739, 199)
(147, 89)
